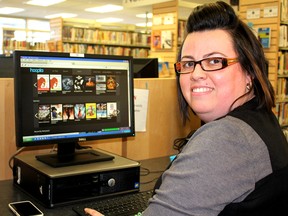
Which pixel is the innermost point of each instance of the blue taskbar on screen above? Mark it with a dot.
(108, 131)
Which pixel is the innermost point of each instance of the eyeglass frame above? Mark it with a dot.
(225, 63)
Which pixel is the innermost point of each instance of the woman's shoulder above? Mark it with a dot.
(228, 125)
(228, 134)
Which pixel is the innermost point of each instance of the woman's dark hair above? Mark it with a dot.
(251, 56)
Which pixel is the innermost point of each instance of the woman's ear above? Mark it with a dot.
(249, 78)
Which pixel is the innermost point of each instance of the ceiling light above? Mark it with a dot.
(148, 24)
(105, 8)
(109, 20)
(44, 3)
(10, 10)
(147, 15)
(63, 15)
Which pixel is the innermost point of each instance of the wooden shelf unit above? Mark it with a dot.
(89, 37)
(273, 52)
(166, 17)
(10, 43)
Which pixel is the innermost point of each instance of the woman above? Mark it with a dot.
(236, 163)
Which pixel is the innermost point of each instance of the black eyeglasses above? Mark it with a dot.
(208, 64)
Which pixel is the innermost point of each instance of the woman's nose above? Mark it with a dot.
(198, 73)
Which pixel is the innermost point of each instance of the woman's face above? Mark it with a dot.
(211, 94)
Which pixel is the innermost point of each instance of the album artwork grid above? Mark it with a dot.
(82, 85)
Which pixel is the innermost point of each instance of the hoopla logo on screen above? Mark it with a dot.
(36, 70)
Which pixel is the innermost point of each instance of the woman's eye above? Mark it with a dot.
(215, 61)
(188, 64)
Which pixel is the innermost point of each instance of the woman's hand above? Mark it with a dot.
(92, 212)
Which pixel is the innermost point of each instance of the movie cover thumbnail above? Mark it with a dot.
(100, 78)
(68, 112)
(78, 83)
(67, 83)
(90, 83)
(79, 111)
(90, 110)
(100, 84)
(111, 83)
(43, 82)
(101, 110)
(55, 82)
(112, 109)
(44, 113)
(56, 112)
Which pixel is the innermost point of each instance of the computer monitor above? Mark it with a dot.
(6, 66)
(145, 68)
(64, 99)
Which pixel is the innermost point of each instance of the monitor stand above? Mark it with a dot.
(67, 156)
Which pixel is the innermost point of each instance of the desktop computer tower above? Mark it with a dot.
(65, 185)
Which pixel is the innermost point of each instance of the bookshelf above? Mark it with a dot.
(22, 39)
(166, 18)
(86, 36)
(277, 52)
(165, 28)
(282, 78)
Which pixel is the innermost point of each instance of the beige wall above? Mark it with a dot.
(163, 125)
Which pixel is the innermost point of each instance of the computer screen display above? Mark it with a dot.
(64, 98)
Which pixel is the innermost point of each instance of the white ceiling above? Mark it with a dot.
(79, 6)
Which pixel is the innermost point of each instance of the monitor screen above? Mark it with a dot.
(145, 68)
(64, 99)
(6, 67)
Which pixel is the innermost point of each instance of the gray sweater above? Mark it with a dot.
(221, 164)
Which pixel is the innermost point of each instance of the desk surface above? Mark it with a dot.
(9, 193)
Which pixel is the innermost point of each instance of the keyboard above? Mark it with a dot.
(120, 205)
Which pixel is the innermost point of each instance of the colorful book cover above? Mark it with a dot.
(166, 39)
(264, 36)
(156, 39)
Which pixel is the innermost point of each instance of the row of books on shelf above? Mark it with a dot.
(284, 10)
(105, 50)
(75, 34)
(282, 89)
(283, 63)
(281, 112)
(283, 36)
(17, 45)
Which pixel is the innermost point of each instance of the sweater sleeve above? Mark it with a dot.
(219, 165)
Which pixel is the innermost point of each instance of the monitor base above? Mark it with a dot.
(76, 158)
